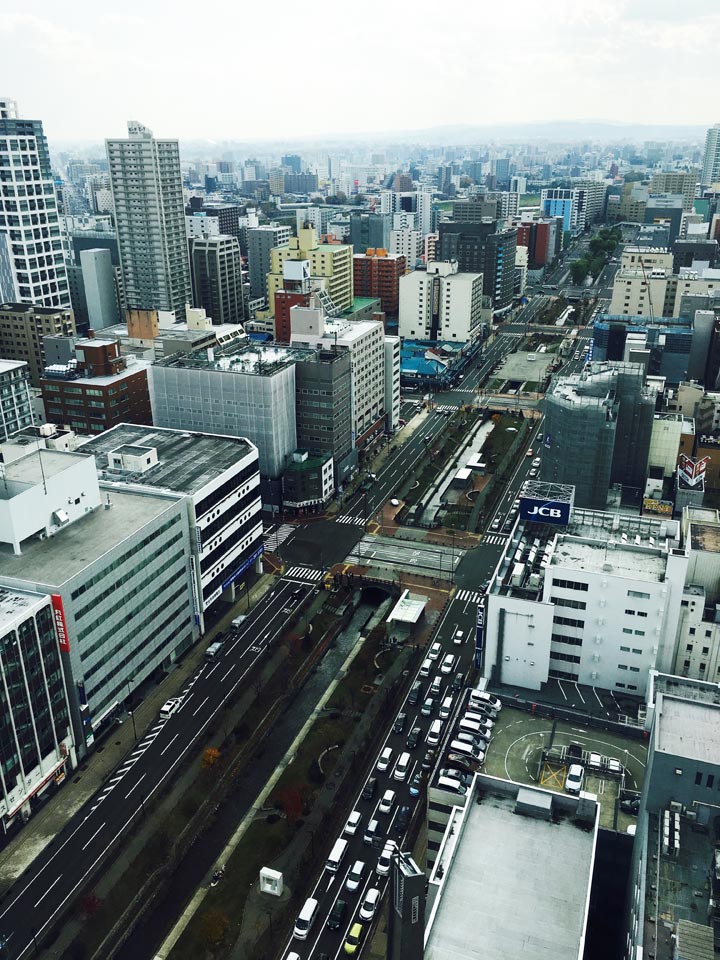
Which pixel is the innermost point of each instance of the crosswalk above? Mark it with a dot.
(349, 518)
(495, 538)
(273, 538)
(303, 574)
(446, 407)
(472, 595)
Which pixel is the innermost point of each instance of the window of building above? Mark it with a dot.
(698, 778)
(638, 594)
(691, 631)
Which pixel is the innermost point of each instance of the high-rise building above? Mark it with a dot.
(323, 407)
(376, 273)
(38, 745)
(23, 328)
(292, 161)
(499, 268)
(150, 220)
(441, 303)
(217, 278)
(370, 230)
(29, 212)
(98, 275)
(331, 268)
(711, 161)
(408, 244)
(16, 410)
(261, 240)
(675, 181)
(598, 428)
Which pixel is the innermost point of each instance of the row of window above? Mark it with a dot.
(570, 584)
(572, 604)
(123, 558)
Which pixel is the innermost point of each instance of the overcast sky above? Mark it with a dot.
(245, 69)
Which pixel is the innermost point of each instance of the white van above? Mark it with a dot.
(169, 708)
(426, 667)
(337, 855)
(434, 651)
(305, 919)
(434, 733)
(213, 650)
(402, 767)
(446, 708)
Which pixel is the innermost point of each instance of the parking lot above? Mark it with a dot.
(516, 753)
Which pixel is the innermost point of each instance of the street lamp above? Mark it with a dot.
(132, 716)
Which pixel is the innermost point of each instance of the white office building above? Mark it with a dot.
(147, 193)
(440, 303)
(135, 535)
(595, 602)
(365, 341)
(407, 242)
(711, 160)
(16, 411)
(392, 383)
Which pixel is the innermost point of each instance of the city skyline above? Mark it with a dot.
(634, 61)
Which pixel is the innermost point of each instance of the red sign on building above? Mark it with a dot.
(60, 625)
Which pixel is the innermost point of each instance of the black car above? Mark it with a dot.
(428, 760)
(630, 805)
(336, 916)
(413, 737)
(369, 789)
(458, 682)
(415, 692)
(399, 724)
(461, 762)
(402, 820)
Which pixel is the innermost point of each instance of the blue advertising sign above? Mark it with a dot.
(544, 511)
(479, 633)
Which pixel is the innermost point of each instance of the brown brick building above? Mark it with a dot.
(376, 273)
(92, 387)
(23, 327)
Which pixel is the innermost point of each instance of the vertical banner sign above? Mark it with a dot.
(479, 633)
(60, 625)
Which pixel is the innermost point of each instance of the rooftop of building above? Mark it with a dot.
(187, 462)
(705, 536)
(34, 467)
(6, 366)
(31, 308)
(617, 559)
(57, 372)
(681, 890)
(15, 605)
(687, 728)
(58, 559)
(256, 359)
(507, 884)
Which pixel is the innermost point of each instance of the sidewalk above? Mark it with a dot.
(87, 779)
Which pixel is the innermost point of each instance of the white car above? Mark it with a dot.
(385, 859)
(387, 802)
(575, 778)
(434, 651)
(384, 760)
(355, 876)
(353, 822)
(459, 636)
(369, 904)
(448, 664)
(480, 696)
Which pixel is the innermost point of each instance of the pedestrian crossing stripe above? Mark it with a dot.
(495, 538)
(349, 518)
(468, 595)
(274, 538)
(303, 573)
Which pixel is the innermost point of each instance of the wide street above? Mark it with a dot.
(58, 872)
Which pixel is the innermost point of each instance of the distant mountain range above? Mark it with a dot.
(563, 131)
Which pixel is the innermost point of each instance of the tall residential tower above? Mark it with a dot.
(150, 220)
(29, 223)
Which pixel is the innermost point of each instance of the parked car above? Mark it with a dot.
(575, 778)
(415, 787)
(368, 791)
(353, 822)
(413, 738)
(461, 762)
(448, 664)
(464, 778)
(369, 904)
